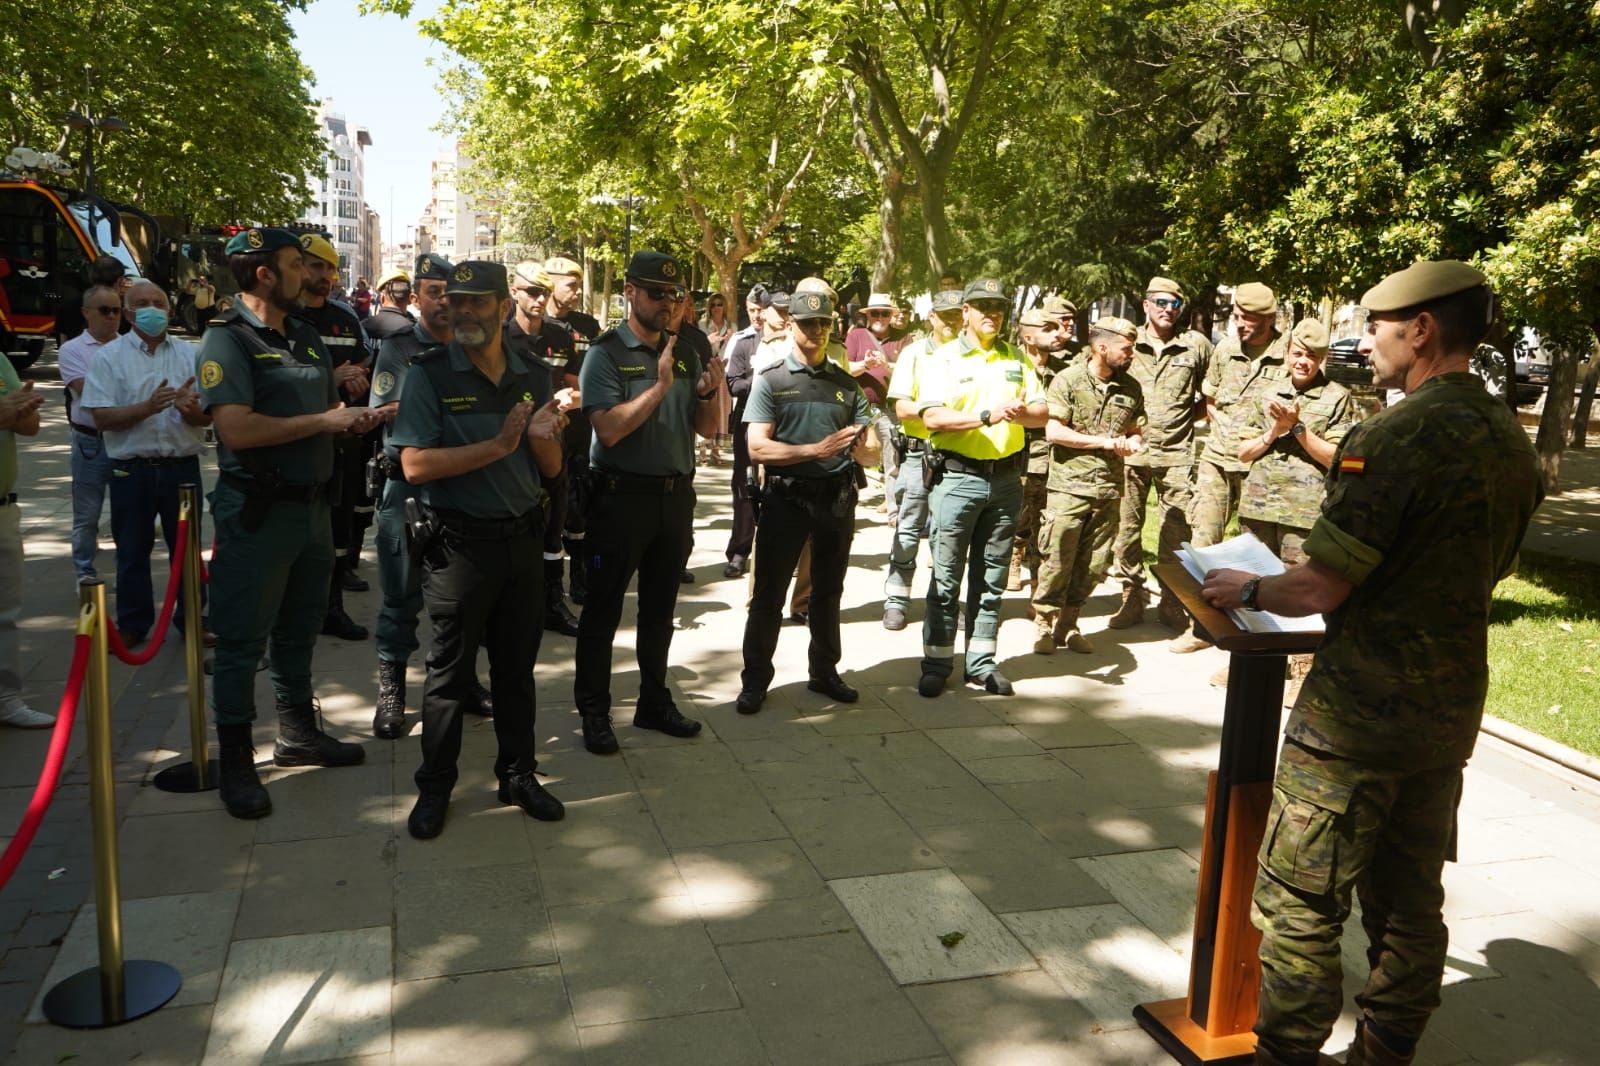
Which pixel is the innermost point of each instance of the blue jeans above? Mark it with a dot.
(911, 500)
(141, 492)
(91, 472)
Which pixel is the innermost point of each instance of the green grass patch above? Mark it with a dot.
(1544, 650)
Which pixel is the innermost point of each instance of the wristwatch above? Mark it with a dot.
(704, 396)
(983, 416)
(1250, 594)
(1297, 430)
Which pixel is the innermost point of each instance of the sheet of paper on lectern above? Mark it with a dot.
(1245, 552)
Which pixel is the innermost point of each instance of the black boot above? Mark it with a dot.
(336, 623)
(301, 741)
(238, 784)
(598, 735)
(481, 701)
(557, 618)
(580, 576)
(389, 721)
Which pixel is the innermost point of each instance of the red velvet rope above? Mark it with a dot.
(119, 649)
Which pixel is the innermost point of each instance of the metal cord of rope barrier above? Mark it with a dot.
(199, 774)
(169, 602)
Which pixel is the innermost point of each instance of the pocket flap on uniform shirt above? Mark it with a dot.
(1319, 791)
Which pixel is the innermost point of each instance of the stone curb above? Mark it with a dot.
(1544, 747)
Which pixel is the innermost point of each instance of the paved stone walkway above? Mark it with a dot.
(774, 891)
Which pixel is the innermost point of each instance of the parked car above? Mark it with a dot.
(1346, 365)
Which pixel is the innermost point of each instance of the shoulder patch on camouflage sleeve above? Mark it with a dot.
(1352, 464)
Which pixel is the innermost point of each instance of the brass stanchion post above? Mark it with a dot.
(115, 991)
(199, 774)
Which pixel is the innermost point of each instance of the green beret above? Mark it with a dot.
(984, 289)
(432, 267)
(1159, 284)
(261, 239)
(1255, 298)
(810, 305)
(1421, 282)
(655, 268)
(1120, 326)
(1059, 307)
(1034, 316)
(947, 300)
(1313, 334)
(477, 276)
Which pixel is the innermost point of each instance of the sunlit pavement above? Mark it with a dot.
(773, 891)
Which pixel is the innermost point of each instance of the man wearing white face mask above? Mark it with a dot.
(140, 392)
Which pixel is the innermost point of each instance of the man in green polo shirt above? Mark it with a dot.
(267, 382)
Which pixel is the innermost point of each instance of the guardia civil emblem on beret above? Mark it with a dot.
(669, 269)
(464, 273)
(253, 238)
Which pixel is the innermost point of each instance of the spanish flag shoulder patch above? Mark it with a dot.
(1352, 464)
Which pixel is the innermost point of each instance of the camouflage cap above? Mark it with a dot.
(947, 300)
(315, 244)
(1160, 284)
(393, 274)
(260, 239)
(803, 305)
(476, 277)
(1255, 298)
(1421, 282)
(432, 267)
(984, 289)
(1059, 307)
(1120, 326)
(1313, 334)
(561, 266)
(655, 268)
(1034, 316)
(533, 273)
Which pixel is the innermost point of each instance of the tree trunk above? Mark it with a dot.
(1580, 421)
(891, 208)
(935, 227)
(1553, 423)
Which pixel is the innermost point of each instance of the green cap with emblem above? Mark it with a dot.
(804, 305)
(1120, 326)
(1313, 334)
(1034, 316)
(1255, 298)
(984, 289)
(1421, 283)
(1167, 285)
(260, 239)
(478, 276)
(431, 267)
(947, 300)
(655, 268)
(1059, 307)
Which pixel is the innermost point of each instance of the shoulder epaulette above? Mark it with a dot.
(429, 353)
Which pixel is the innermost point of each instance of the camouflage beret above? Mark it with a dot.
(561, 266)
(1034, 316)
(1159, 284)
(1120, 326)
(1313, 334)
(1255, 298)
(478, 276)
(655, 268)
(315, 244)
(260, 239)
(947, 300)
(810, 305)
(1059, 307)
(432, 267)
(1421, 282)
(984, 289)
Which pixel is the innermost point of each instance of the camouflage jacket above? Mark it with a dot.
(1083, 402)
(1230, 380)
(1171, 373)
(1038, 447)
(1285, 485)
(1427, 503)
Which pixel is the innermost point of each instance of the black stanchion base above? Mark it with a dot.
(181, 777)
(77, 1002)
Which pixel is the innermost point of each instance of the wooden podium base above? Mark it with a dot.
(1167, 1021)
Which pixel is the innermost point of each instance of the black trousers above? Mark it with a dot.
(743, 534)
(352, 509)
(786, 521)
(556, 489)
(632, 532)
(480, 595)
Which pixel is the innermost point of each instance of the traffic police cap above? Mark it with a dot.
(947, 300)
(392, 275)
(1313, 334)
(1120, 326)
(810, 305)
(1159, 284)
(431, 267)
(1034, 316)
(315, 244)
(561, 266)
(655, 268)
(1059, 307)
(260, 239)
(478, 276)
(1421, 283)
(984, 289)
(1255, 298)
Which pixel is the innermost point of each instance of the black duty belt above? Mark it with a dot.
(85, 430)
(464, 525)
(156, 460)
(280, 492)
(960, 464)
(915, 446)
(653, 486)
(808, 486)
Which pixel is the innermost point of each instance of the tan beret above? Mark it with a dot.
(1164, 285)
(1059, 307)
(815, 284)
(1120, 326)
(561, 265)
(1313, 334)
(1034, 316)
(531, 272)
(1255, 298)
(1421, 282)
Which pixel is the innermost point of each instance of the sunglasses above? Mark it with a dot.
(1167, 303)
(989, 307)
(660, 295)
(537, 294)
(814, 325)
(113, 309)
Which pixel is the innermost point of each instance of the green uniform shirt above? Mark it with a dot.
(969, 379)
(10, 382)
(1171, 373)
(618, 367)
(279, 374)
(389, 373)
(1083, 402)
(903, 382)
(804, 404)
(1229, 381)
(449, 402)
(1286, 485)
(1427, 503)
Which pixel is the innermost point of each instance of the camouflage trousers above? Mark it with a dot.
(1033, 501)
(1286, 542)
(1174, 487)
(1075, 551)
(1336, 825)
(1216, 498)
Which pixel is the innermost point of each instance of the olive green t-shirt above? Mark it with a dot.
(1081, 401)
(617, 368)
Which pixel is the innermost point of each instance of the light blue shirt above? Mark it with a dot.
(126, 372)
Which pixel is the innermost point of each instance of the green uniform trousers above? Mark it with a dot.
(1336, 825)
(1216, 498)
(911, 523)
(269, 582)
(971, 522)
(1033, 501)
(1286, 542)
(1075, 549)
(1174, 487)
(400, 582)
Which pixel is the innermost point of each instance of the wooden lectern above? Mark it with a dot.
(1212, 1024)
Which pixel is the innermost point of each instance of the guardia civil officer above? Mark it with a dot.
(1427, 503)
(646, 402)
(806, 421)
(476, 429)
(267, 382)
(564, 310)
(398, 580)
(978, 398)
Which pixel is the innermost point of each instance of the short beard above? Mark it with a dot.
(470, 334)
(282, 300)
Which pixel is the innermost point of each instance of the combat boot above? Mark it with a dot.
(1044, 634)
(301, 741)
(1014, 575)
(389, 719)
(1131, 612)
(598, 736)
(1067, 634)
(557, 618)
(238, 783)
(1369, 1050)
(1171, 613)
(336, 623)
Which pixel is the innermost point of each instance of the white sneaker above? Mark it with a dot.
(20, 716)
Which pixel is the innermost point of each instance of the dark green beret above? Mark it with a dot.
(1420, 283)
(475, 276)
(432, 267)
(947, 300)
(655, 268)
(984, 289)
(810, 305)
(261, 239)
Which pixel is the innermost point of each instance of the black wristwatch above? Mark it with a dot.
(1298, 430)
(704, 396)
(983, 416)
(1250, 594)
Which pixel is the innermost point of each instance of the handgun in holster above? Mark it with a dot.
(422, 535)
(932, 468)
(753, 490)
